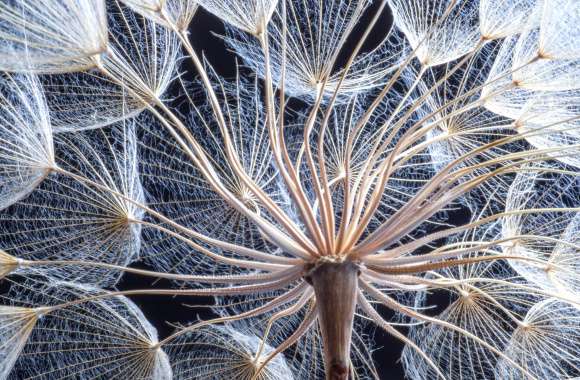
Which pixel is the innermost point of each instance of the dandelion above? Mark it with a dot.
(500, 19)
(27, 151)
(439, 31)
(52, 37)
(305, 50)
(140, 54)
(551, 237)
(105, 336)
(8, 264)
(425, 184)
(224, 352)
(101, 225)
(548, 335)
(17, 324)
(173, 13)
(250, 16)
(489, 310)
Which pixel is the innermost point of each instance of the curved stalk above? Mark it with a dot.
(386, 300)
(201, 161)
(308, 321)
(285, 298)
(230, 151)
(218, 243)
(376, 317)
(225, 279)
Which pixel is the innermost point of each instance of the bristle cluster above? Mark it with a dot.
(419, 175)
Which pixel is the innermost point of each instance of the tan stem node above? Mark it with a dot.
(335, 286)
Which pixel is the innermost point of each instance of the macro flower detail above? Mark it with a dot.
(439, 31)
(101, 225)
(131, 74)
(27, 151)
(310, 60)
(251, 16)
(173, 13)
(544, 337)
(17, 324)
(53, 36)
(550, 237)
(108, 336)
(225, 352)
(289, 189)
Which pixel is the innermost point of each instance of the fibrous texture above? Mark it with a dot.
(102, 337)
(96, 224)
(52, 36)
(140, 54)
(306, 49)
(172, 13)
(224, 352)
(551, 237)
(439, 31)
(547, 341)
(404, 166)
(251, 16)
(27, 152)
(17, 324)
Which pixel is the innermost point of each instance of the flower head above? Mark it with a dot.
(27, 152)
(251, 16)
(51, 36)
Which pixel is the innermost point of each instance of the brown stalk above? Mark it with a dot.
(427, 267)
(336, 287)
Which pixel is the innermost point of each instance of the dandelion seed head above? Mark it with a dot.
(546, 344)
(53, 36)
(27, 152)
(250, 16)
(172, 13)
(222, 352)
(419, 178)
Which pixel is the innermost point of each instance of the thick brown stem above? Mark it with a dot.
(335, 286)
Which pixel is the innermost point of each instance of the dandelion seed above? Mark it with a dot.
(8, 264)
(452, 134)
(559, 19)
(251, 16)
(547, 343)
(309, 58)
(551, 237)
(134, 72)
(500, 19)
(224, 352)
(549, 73)
(26, 153)
(53, 36)
(105, 336)
(71, 219)
(542, 55)
(17, 324)
(547, 118)
(192, 201)
(440, 31)
(487, 310)
(176, 13)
